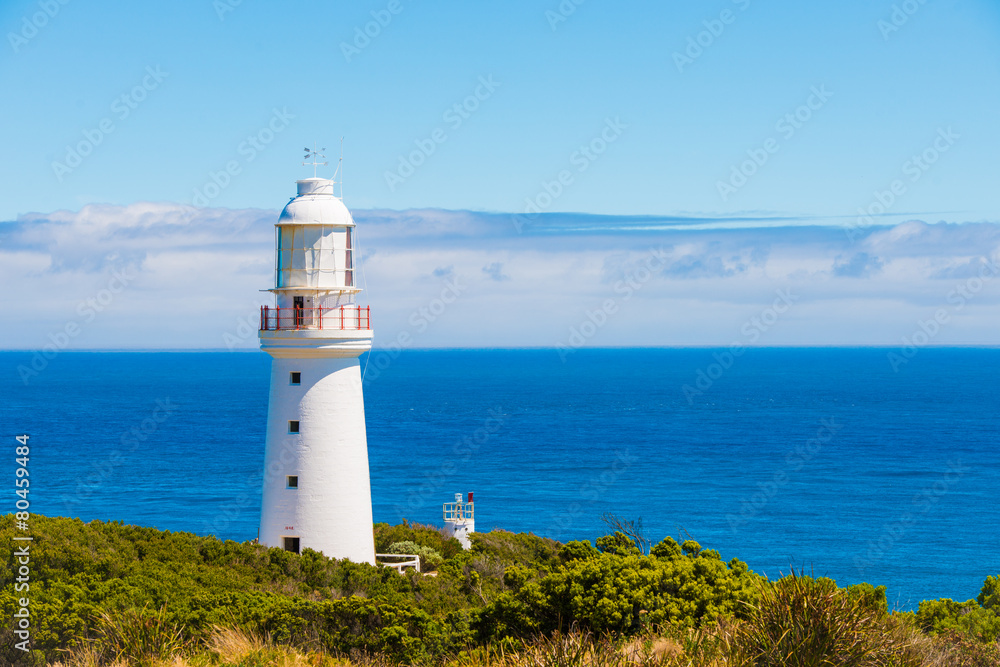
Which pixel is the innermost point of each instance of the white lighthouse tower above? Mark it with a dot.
(316, 491)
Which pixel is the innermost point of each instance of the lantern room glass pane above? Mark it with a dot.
(286, 236)
(312, 257)
(311, 236)
(349, 260)
(329, 238)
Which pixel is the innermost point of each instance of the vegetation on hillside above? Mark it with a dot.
(108, 593)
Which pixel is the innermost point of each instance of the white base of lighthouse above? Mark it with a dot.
(316, 491)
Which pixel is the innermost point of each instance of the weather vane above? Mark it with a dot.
(313, 153)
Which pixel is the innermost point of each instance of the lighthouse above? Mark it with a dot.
(460, 519)
(316, 489)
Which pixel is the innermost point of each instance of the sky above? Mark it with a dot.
(669, 173)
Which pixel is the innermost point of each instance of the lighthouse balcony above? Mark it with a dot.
(340, 318)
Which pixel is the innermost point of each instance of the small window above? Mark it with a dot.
(292, 544)
(293, 427)
(295, 377)
(293, 481)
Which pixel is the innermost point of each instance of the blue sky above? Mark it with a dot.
(686, 129)
(824, 106)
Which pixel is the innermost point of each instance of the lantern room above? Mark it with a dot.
(314, 277)
(314, 243)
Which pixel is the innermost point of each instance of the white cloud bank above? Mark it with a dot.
(169, 276)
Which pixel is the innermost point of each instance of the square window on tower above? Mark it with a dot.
(293, 426)
(292, 544)
(295, 377)
(293, 481)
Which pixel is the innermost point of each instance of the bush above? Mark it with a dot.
(429, 558)
(101, 590)
(576, 550)
(138, 635)
(516, 548)
(667, 548)
(618, 543)
(945, 615)
(618, 591)
(801, 622)
(427, 536)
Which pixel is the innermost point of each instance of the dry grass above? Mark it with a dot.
(240, 648)
(87, 655)
(885, 642)
(226, 647)
(660, 649)
(579, 648)
(233, 645)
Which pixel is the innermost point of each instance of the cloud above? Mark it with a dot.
(959, 268)
(443, 271)
(199, 275)
(860, 265)
(102, 236)
(495, 271)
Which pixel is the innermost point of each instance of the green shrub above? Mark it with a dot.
(804, 622)
(989, 596)
(618, 543)
(618, 591)
(106, 589)
(667, 548)
(945, 615)
(516, 548)
(429, 558)
(577, 550)
(427, 536)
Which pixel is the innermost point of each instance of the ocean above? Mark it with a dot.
(828, 461)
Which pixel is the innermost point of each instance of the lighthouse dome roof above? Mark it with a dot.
(316, 204)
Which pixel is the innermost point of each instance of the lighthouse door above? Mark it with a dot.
(298, 303)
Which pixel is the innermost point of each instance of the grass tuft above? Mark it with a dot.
(140, 636)
(804, 622)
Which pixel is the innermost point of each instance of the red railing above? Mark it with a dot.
(341, 317)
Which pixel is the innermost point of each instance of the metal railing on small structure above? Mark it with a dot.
(354, 318)
(413, 560)
(459, 511)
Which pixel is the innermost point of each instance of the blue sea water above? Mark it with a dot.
(824, 460)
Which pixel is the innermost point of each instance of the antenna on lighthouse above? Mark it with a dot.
(313, 153)
(339, 171)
